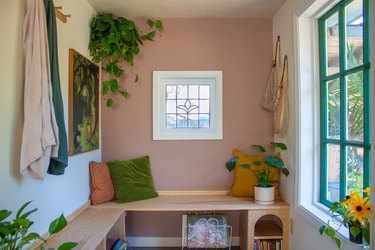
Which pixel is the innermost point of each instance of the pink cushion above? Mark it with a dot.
(101, 184)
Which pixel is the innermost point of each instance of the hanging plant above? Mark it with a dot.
(116, 40)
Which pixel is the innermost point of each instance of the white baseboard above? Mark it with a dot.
(164, 241)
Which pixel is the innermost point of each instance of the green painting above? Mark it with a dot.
(83, 104)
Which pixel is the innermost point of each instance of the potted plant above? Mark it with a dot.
(264, 190)
(14, 233)
(354, 213)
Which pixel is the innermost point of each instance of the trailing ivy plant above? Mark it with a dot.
(115, 40)
(14, 233)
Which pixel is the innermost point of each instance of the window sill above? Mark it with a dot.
(317, 215)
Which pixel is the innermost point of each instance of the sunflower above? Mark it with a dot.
(367, 191)
(359, 208)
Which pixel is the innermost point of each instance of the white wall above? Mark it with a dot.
(305, 236)
(54, 194)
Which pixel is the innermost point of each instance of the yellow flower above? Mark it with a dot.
(367, 191)
(359, 208)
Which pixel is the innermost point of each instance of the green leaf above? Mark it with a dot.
(259, 147)
(263, 183)
(231, 164)
(4, 214)
(110, 102)
(150, 23)
(274, 161)
(30, 237)
(355, 231)
(159, 25)
(321, 229)
(57, 225)
(25, 215)
(68, 246)
(338, 242)
(245, 166)
(114, 85)
(125, 93)
(330, 232)
(24, 223)
(279, 145)
(136, 78)
(257, 163)
(285, 172)
(105, 87)
(21, 209)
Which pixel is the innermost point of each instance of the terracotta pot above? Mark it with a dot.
(264, 195)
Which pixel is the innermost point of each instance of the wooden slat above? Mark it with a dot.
(89, 228)
(190, 201)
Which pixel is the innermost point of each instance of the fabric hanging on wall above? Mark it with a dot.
(57, 164)
(40, 131)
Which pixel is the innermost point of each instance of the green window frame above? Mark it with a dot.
(343, 143)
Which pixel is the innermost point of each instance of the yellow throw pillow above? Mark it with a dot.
(245, 180)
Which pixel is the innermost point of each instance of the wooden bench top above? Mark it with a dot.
(193, 201)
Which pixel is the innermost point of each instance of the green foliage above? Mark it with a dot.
(116, 40)
(263, 176)
(14, 233)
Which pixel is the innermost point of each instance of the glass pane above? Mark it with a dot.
(354, 169)
(182, 91)
(171, 106)
(193, 92)
(204, 120)
(171, 121)
(204, 92)
(354, 34)
(171, 91)
(355, 106)
(333, 169)
(182, 121)
(193, 121)
(333, 60)
(333, 109)
(204, 106)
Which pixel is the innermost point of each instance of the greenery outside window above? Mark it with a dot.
(345, 140)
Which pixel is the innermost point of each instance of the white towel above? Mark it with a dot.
(39, 138)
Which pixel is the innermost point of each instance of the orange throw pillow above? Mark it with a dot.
(101, 184)
(244, 179)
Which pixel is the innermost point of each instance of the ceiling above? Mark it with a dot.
(189, 8)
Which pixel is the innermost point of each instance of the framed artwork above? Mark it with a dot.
(83, 104)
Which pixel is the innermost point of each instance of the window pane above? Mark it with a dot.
(355, 106)
(182, 121)
(204, 92)
(333, 60)
(171, 121)
(333, 168)
(354, 169)
(204, 120)
(181, 91)
(193, 92)
(334, 109)
(354, 34)
(171, 106)
(171, 91)
(193, 121)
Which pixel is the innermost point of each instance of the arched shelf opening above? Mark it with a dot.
(268, 226)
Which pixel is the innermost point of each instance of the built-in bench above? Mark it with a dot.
(94, 224)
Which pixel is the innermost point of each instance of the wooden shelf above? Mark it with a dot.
(267, 229)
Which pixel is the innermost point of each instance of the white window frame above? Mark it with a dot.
(161, 79)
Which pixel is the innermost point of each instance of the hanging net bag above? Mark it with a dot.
(281, 114)
(271, 95)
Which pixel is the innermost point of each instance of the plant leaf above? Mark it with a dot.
(24, 223)
(274, 161)
(21, 209)
(159, 25)
(355, 231)
(285, 171)
(105, 87)
(114, 85)
(329, 231)
(321, 229)
(338, 242)
(150, 23)
(263, 183)
(257, 163)
(57, 225)
(231, 164)
(136, 78)
(68, 246)
(4, 214)
(279, 145)
(259, 147)
(30, 237)
(110, 102)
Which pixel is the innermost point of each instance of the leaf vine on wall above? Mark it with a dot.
(116, 40)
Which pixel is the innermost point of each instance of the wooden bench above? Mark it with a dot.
(95, 223)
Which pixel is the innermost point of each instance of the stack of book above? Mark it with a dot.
(267, 244)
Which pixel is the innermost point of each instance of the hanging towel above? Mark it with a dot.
(39, 138)
(57, 164)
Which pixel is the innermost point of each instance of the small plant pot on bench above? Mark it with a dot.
(264, 195)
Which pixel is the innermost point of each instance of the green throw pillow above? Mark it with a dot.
(132, 179)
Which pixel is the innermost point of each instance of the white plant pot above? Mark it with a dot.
(264, 196)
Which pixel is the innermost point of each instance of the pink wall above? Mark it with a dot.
(242, 49)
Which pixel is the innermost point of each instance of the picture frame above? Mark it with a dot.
(84, 77)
